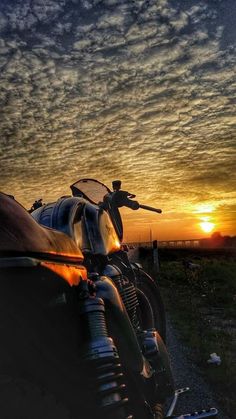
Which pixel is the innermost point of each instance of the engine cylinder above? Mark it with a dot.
(126, 290)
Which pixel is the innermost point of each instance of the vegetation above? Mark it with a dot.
(200, 295)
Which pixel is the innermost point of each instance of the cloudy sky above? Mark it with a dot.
(142, 90)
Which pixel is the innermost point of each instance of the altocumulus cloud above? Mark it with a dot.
(143, 89)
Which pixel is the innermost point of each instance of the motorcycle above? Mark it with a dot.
(83, 328)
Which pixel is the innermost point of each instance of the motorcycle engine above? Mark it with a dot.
(126, 290)
(160, 385)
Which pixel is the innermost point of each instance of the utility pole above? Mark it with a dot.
(150, 235)
(155, 257)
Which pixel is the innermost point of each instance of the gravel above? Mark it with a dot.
(186, 374)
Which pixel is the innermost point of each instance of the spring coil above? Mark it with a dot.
(103, 362)
(111, 392)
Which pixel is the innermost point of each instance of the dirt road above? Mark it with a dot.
(186, 374)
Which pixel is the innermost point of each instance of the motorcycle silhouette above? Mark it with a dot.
(83, 329)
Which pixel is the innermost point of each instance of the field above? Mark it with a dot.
(199, 289)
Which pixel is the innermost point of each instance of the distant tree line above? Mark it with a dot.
(217, 240)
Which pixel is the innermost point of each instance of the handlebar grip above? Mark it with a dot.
(146, 207)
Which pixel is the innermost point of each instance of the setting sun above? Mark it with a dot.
(206, 226)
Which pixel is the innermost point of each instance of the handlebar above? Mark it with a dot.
(146, 207)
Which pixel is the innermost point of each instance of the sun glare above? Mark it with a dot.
(206, 226)
(204, 208)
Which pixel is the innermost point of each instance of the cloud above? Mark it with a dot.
(91, 88)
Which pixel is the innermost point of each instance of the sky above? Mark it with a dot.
(139, 90)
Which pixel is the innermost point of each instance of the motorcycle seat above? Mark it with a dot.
(20, 233)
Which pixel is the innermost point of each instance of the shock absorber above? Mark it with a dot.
(103, 361)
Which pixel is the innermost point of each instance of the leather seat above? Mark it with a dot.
(20, 233)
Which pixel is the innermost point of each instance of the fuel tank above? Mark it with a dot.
(87, 224)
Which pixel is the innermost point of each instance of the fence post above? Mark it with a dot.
(155, 257)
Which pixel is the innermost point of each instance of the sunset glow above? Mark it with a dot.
(204, 208)
(139, 91)
(207, 227)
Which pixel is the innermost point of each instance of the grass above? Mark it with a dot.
(201, 303)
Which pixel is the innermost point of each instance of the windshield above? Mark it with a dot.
(90, 189)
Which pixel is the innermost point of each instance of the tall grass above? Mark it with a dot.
(201, 303)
